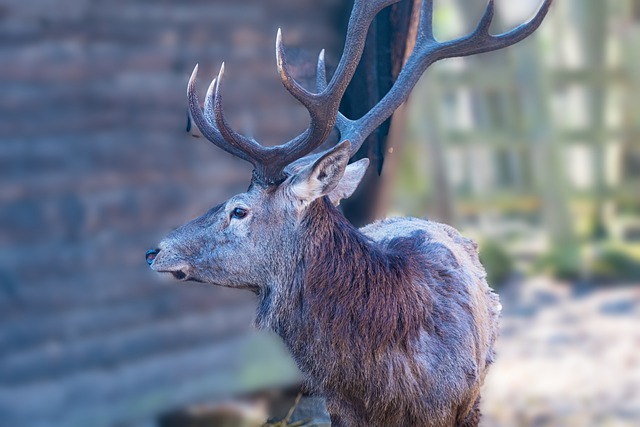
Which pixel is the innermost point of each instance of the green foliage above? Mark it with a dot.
(411, 184)
(563, 262)
(600, 264)
(613, 265)
(496, 261)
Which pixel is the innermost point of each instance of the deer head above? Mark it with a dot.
(241, 243)
(252, 239)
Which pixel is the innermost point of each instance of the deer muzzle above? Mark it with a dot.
(167, 264)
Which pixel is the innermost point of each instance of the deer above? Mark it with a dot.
(394, 324)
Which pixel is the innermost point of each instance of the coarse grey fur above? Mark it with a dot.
(393, 323)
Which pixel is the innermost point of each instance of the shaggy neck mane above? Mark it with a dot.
(350, 294)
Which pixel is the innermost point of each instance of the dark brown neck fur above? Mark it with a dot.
(352, 300)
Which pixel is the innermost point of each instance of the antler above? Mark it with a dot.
(428, 50)
(269, 162)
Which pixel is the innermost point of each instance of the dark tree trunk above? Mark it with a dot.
(384, 55)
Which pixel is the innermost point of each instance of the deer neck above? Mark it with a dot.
(343, 296)
(325, 235)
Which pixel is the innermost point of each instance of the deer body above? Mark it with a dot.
(397, 332)
(394, 323)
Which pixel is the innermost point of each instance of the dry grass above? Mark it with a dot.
(286, 421)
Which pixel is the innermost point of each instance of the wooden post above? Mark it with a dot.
(591, 24)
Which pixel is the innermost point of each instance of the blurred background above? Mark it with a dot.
(533, 151)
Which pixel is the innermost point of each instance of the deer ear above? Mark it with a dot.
(322, 176)
(349, 182)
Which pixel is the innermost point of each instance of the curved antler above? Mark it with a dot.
(214, 127)
(269, 162)
(428, 50)
(206, 125)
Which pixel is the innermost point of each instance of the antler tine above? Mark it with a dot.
(322, 110)
(427, 51)
(321, 73)
(247, 126)
(206, 126)
(321, 84)
(208, 102)
(251, 148)
(425, 27)
(487, 19)
(305, 97)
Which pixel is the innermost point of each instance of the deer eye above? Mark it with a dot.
(239, 213)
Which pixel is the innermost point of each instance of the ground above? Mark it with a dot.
(566, 357)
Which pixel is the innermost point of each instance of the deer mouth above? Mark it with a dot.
(178, 270)
(178, 274)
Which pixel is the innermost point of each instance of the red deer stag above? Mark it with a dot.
(393, 323)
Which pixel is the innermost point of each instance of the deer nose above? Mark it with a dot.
(151, 255)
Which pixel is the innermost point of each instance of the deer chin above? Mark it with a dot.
(251, 288)
(254, 289)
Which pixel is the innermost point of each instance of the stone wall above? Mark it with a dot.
(96, 166)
